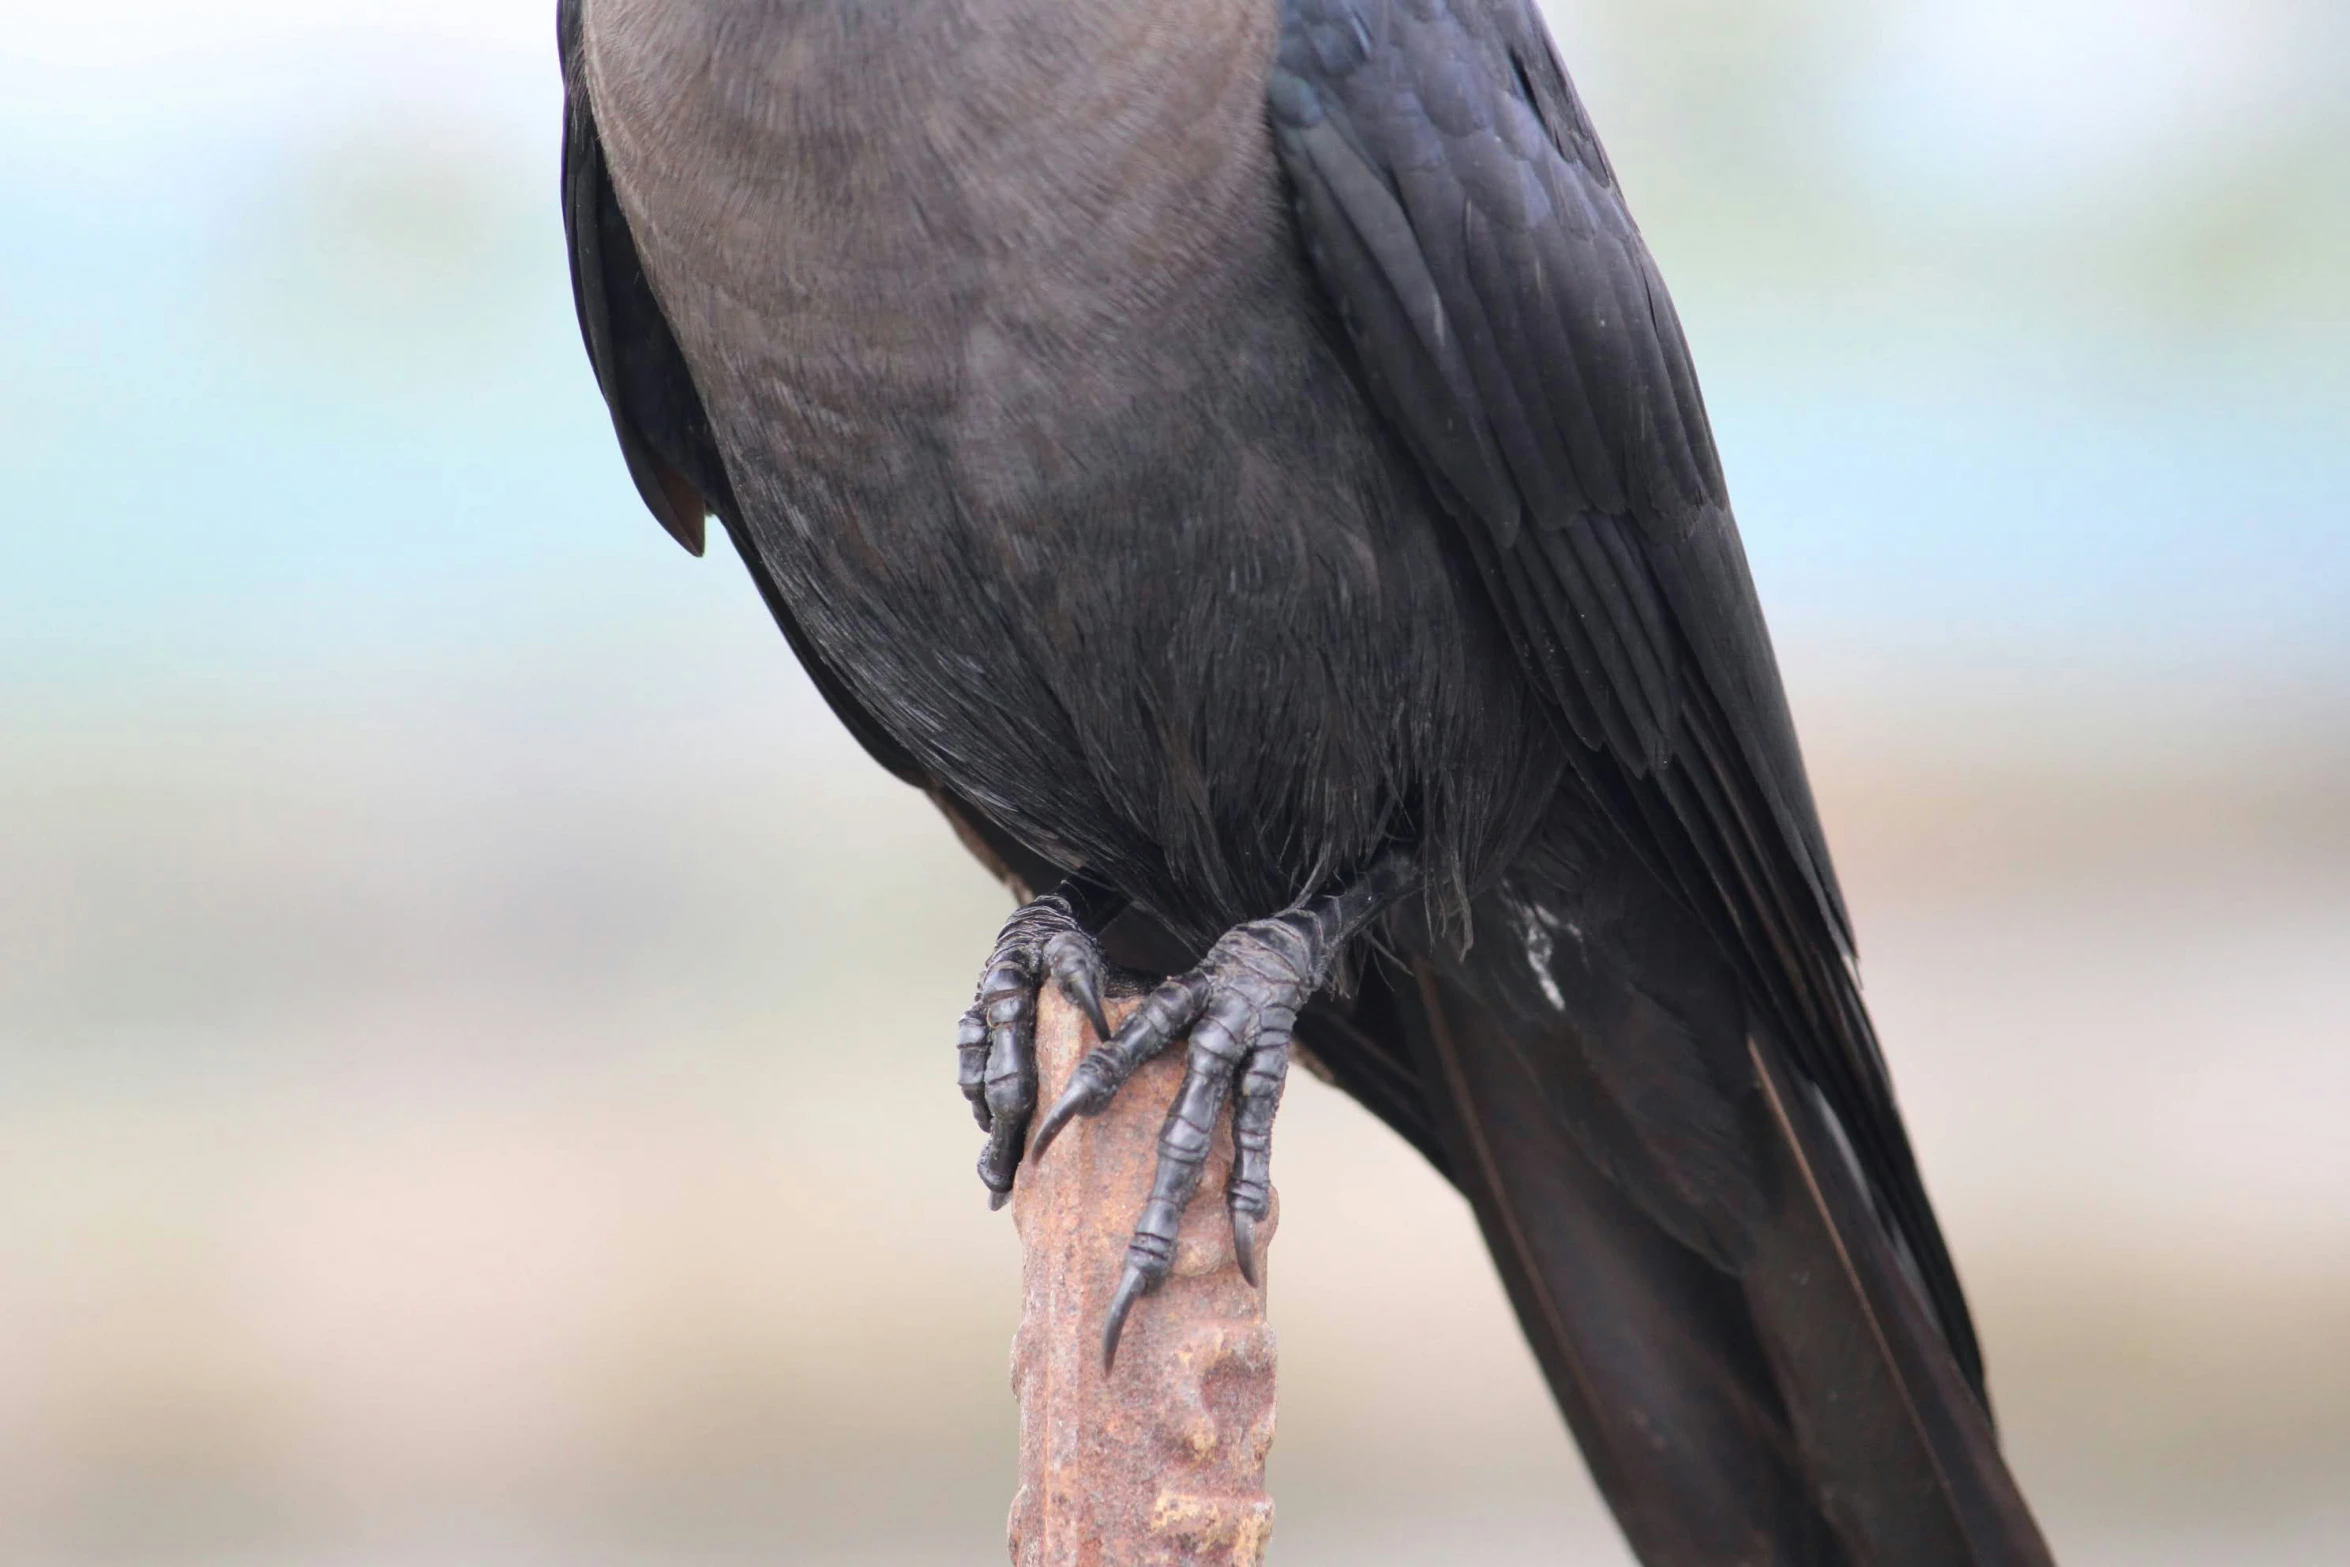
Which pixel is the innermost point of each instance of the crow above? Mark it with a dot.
(1238, 457)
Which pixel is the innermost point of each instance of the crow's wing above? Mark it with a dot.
(1511, 325)
(664, 431)
(657, 412)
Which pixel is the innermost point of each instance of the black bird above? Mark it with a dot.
(1239, 458)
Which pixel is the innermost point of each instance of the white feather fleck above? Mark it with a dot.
(1535, 924)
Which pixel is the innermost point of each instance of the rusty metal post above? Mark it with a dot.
(1162, 1461)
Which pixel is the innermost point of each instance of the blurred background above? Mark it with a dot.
(475, 1070)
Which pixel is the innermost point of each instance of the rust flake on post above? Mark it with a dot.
(1162, 1462)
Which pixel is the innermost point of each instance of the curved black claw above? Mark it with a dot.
(1131, 1287)
(1244, 1245)
(995, 1042)
(1075, 962)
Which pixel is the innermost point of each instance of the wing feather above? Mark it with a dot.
(1512, 325)
(657, 411)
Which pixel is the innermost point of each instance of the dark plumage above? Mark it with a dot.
(1240, 459)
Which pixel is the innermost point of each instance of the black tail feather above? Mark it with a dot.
(1799, 1407)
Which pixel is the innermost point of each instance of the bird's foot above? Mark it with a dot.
(1238, 1009)
(996, 1042)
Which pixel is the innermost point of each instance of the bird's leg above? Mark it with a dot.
(1238, 1008)
(1051, 938)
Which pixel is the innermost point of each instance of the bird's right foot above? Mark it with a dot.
(1236, 1008)
(1044, 940)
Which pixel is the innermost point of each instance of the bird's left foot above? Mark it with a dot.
(1238, 1009)
(1044, 942)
